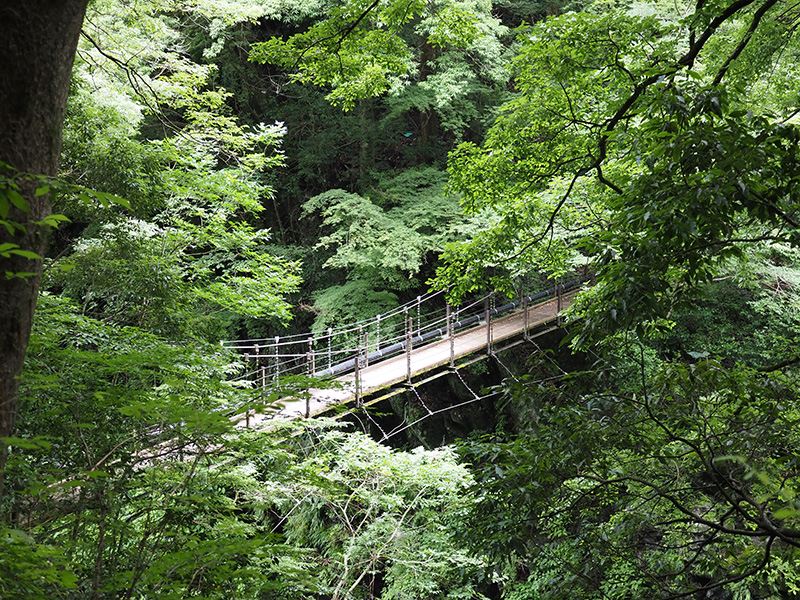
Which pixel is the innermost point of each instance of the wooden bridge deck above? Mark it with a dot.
(392, 371)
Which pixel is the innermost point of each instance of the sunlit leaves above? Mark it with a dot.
(386, 241)
(679, 173)
(362, 48)
(365, 508)
(29, 570)
(192, 258)
(358, 66)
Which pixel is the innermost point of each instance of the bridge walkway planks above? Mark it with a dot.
(393, 371)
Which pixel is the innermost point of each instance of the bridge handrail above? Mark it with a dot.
(348, 328)
(282, 341)
(438, 333)
(301, 353)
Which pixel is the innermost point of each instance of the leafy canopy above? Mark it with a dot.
(188, 258)
(363, 48)
(646, 145)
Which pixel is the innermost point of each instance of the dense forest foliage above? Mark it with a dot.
(247, 168)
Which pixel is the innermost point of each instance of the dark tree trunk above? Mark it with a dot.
(38, 39)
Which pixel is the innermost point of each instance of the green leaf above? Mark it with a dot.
(96, 474)
(36, 443)
(19, 275)
(26, 254)
(18, 201)
(106, 199)
(54, 220)
(786, 512)
(7, 249)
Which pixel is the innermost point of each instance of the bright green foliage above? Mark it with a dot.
(31, 571)
(634, 142)
(530, 168)
(139, 484)
(11, 196)
(99, 145)
(650, 144)
(388, 237)
(358, 66)
(444, 94)
(193, 260)
(99, 404)
(384, 241)
(162, 280)
(130, 479)
(376, 520)
(349, 302)
(456, 86)
(364, 49)
(112, 475)
(457, 79)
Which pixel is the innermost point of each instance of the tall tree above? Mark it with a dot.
(37, 49)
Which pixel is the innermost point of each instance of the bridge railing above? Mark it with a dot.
(313, 352)
(340, 350)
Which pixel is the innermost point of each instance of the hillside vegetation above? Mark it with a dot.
(249, 168)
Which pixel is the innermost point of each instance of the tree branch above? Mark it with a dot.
(759, 14)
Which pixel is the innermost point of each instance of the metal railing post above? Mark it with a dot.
(247, 358)
(277, 372)
(378, 332)
(526, 316)
(451, 336)
(260, 374)
(419, 314)
(312, 368)
(358, 343)
(558, 295)
(409, 335)
(358, 373)
(257, 358)
(488, 317)
(330, 337)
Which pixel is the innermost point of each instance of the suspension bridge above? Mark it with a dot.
(381, 356)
